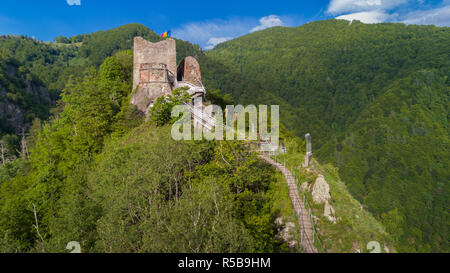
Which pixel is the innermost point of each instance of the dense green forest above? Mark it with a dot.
(374, 98)
(105, 178)
(34, 73)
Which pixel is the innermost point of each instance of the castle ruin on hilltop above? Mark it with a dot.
(156, 74)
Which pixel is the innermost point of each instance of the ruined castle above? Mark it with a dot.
(156, 74)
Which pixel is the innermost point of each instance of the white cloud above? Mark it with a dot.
(215, 41)
(268, 21)
(376, 11)
(337, 7)
(202, 32)
(73, 2)
(368, 17)
(210, 33)
(437, 16)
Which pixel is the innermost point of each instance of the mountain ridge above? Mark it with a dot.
(330, 73)
(337, 81)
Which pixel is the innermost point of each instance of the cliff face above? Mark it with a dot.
(21, 99)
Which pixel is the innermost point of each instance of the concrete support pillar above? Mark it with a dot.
(308, 156)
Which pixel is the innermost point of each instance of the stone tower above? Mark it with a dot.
(156, 74)
(154, 66)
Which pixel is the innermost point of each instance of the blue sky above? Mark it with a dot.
(205, 22)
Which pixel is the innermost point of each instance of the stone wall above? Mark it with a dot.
(155, 73)
(189, 71)
(152, 64)
(146, 52)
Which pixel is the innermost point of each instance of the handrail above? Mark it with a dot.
(207, 120)
(307, 207)
(300, 210)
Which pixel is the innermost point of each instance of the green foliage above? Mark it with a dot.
(91, 110)
(215, 97)
(205, 209)
(99, 176)
(9, 145)
(34, 73)
(16, 231)
(136, 197)
(375, 100)
(99, 45)
(248, 179)
(62, 40)
(161, 112)
(397, 150)
(22, 97)
(355, 227)
(146, 204)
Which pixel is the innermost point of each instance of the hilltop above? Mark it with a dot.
(33, 73)
(374, 98)
(101, 175)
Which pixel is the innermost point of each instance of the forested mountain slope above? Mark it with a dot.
(34, 73)
(22, 96)
(374, 98)
(101, 175)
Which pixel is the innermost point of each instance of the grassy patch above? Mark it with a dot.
(355, 226)
(281, 203)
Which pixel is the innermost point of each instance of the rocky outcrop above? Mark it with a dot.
(328, 212)
(304, 187)
(12, 117)
(286, 232)
(20, 99)
(321, 190)
(321, 195)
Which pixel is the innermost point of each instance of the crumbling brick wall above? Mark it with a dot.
(152, 64)
(155, 73)
(146, 52)
(189, 71)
